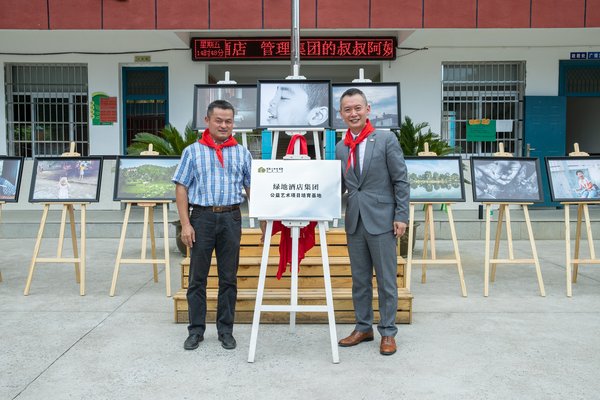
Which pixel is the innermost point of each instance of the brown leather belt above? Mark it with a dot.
(219, 209)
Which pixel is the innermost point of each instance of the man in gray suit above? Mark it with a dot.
(374, 173)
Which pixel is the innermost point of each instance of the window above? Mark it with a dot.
(492, 90)
(46, 109)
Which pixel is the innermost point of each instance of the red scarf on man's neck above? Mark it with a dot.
(353, 143)
(207, 140)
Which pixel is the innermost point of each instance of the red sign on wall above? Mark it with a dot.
(242, 49)
(108, 109)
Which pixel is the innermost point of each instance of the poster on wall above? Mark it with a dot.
(66, 179)
(574, 179)
(11, 169)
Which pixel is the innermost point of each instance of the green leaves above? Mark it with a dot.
(169, 143)
(412, 139)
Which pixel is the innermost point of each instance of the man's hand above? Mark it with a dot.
(399, 228)
(188, 235)
(263, 228)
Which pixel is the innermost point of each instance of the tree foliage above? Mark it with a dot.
(170, 142)
(412, 139)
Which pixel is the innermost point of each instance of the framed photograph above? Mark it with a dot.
(145, 178)
(574, 179)
(384, 99)
(435, 179)
(10, 178)
(302, 104)
(242, 97)
(66, 180)
(506, 179)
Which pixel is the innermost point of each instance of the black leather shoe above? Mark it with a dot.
(227, 341)
(193, 341)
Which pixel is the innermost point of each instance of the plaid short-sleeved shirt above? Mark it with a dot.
(210, 184)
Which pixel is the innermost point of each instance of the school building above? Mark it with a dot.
(97, 71)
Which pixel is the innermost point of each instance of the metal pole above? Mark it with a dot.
(295, 40)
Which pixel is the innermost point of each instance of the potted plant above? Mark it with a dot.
(412, 139)
(168, 142)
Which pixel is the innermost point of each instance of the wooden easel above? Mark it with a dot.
(430, 235)
(294, 307)
(504, 210)
(148, 223)
(1, 204)
(78, 260)
(582, 210)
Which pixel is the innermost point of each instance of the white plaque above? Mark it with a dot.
(299, 190)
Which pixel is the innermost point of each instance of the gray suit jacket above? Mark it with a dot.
(381, 195)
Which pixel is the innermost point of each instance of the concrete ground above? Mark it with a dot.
(514, 344)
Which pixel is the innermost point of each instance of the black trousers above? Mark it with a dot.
(220, 232)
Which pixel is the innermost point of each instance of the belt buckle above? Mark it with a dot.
(218, 209)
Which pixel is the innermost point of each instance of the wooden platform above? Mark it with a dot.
(310, 283)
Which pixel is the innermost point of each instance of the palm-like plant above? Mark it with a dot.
(412, 139)
(168, 143)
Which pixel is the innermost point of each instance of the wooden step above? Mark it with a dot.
(342, 300)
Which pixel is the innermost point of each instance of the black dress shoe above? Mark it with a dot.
(193, 341)
(227, 341)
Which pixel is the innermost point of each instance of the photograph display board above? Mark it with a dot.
(145, 178)
(305, 190)
(384, 99)
(66, 179)
(10, 178)
(574, 179)
(241, 97)
(506, 179)
(435, 179)
(302, 104)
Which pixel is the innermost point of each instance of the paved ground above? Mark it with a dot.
(55, 344)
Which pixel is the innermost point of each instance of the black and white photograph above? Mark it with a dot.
(384, 99)
(242, 97)
(302, 104)
(66, 180)
(10, 178)
(145, 178)
(435, 179)
(506, 179)
(574, 179)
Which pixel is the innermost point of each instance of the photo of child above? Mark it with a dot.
(574, 179)
(10, 178)
(586, 189)
(301, 104)
(63, 188)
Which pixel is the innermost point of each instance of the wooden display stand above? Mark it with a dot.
(294, 307)
(430, 236)
(77, 259)
(148, 223)
(504, 210)
(1, 204)
(582, 210)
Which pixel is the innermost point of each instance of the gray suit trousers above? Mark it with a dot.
(367, 252)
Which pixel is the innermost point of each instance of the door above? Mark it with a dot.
(545, 133)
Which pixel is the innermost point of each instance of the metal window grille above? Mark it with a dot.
(492, 90)
(46, 108)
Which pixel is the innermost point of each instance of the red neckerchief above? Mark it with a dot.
(207, 140)
(353, 143)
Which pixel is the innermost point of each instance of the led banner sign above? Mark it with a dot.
(242, 49)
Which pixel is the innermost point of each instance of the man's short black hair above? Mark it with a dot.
(222, 104)
(352, 92)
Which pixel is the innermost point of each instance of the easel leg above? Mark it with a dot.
(411, 224)
(498, 234)
(538, 270)
(588, 229)
(463, 286)
(152, 242)
(83, 248)
(568, 251)
(577, 241)
(120, 250)
(36, 249)
(294, 290)
(425, 244)
(260, 291)
(167, 254)
(328, 292)
(486, 262)
(74, 243)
